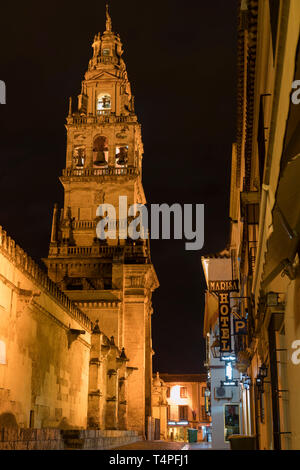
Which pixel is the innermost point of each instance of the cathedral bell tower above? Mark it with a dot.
(110, 280)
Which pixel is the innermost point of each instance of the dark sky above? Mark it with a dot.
(181, 61)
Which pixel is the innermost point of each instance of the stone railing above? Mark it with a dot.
(92, 250)
(100, 171)
(26, 264)
(84, 224)
(104, 59)
(101, 119)
(131, 252)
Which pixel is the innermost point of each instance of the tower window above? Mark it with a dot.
(106, 51)
(100, 151)
(103, 104)
(79, 157)
(121, 156)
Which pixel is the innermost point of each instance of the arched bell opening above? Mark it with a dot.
(100, 151)
(103, 104)
(121, 156)
(79, 156)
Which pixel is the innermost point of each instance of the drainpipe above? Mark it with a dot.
(274, 386)
(263, 205)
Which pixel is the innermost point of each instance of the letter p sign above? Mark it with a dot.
(240, 326)
(2, 92)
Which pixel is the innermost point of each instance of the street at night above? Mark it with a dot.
(150, 228)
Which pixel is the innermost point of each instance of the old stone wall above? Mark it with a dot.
(31, 439)
(44, 347)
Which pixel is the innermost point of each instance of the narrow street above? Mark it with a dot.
(165, 445)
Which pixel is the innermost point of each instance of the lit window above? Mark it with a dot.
(183, 392)
(183, 412)
(106, 51)
(103, 103)
(2, 352)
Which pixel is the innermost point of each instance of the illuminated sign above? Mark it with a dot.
(231, 358)
(240, 326)
(228, 372)
(224, 322)
(207, 401)
(231, 383)
(178, 423)
(223, 286)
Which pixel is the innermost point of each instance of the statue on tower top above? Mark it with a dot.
(108, 20)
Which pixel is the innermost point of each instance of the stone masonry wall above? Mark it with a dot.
(44, 367)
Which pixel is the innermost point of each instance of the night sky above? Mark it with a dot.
(181, 62)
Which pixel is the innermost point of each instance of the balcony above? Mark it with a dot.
(107, 118)
(106, 171)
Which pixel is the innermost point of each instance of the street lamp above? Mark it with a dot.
(263, 371)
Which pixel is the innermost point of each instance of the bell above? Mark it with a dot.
(100, 161)
(122, 156)
(80, 159)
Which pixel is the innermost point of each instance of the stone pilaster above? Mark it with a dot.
(94, 398)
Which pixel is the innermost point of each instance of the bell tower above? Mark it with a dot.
(110, 280)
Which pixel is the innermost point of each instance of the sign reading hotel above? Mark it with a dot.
(223, 286)
(223, 289)
(224, 321)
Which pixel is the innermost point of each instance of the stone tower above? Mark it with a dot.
(111, 280)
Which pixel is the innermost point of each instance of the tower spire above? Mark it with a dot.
(108, 20)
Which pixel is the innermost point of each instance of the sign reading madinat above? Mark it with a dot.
(223, 286)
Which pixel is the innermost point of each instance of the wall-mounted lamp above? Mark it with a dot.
(215, 348)
(259, 382)
(263, 371)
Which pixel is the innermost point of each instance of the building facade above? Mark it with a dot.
(88, 346)
(223, 386)
(179, 403)
(264, 213)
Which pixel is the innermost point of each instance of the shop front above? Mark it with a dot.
(178, 431)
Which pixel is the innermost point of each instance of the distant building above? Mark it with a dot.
(179, 402)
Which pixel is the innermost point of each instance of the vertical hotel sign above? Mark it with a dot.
(224, 321)
(223, 289)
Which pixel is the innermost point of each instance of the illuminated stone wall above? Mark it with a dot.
(43, 368)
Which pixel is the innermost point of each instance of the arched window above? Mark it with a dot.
(100, 151)
(103, 103)
(79, 156)
(121, 155)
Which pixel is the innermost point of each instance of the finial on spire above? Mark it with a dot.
(70, 106)
(108, 20)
